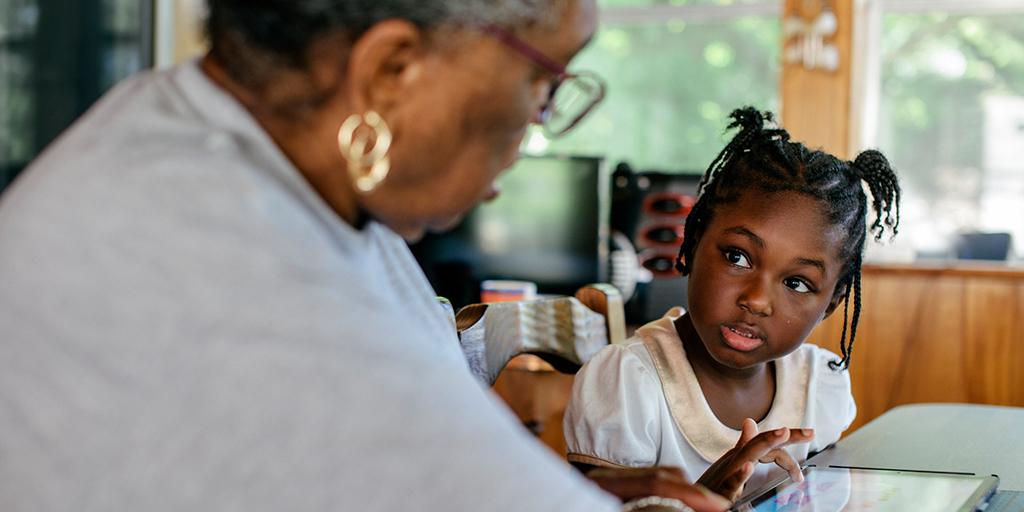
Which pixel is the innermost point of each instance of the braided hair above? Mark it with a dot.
(762, 157)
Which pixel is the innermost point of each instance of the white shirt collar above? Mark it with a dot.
(690, 409)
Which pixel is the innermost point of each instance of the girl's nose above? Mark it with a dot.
(756, 298)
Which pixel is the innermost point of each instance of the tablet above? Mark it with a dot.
(834, 489)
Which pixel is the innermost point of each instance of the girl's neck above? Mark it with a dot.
(732, 393)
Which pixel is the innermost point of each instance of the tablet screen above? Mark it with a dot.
(856, 490)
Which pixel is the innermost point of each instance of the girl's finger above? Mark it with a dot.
(747, 432)
(784, 460)
(734, 484)
(799, 435)
(763, 443)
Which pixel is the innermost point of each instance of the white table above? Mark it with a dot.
(978, 439)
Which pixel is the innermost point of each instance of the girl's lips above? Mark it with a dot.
(740, 338)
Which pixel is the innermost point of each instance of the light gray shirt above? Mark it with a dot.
(185, 325)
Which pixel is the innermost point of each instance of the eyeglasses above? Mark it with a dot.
(573, 95)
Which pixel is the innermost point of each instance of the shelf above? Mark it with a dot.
(954, 268)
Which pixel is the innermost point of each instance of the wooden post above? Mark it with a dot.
(815, 102)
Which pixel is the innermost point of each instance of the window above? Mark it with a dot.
(674, 70)
(950, 115)
(56, 59)
(17, 23)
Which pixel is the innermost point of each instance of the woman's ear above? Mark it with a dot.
(384, 64)
(837, 298)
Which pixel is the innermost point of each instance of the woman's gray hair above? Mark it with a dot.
(509, 13)
(252, 37)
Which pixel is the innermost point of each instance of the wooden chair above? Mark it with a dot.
(564, 331)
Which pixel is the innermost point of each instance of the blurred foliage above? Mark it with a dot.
(671, 86)
(946, 82)
(639, 3)
(937, 71)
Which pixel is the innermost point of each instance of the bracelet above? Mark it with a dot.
(656, 501)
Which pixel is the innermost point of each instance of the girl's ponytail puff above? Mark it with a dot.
(751, 123)
(749, 119)
(874, 169)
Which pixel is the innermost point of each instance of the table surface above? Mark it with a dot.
(960, 438)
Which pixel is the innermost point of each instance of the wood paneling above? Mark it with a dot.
(994, 338)
(954, 335)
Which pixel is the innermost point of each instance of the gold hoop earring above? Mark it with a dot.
(368, 168)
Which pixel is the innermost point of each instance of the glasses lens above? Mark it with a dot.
(571, 101)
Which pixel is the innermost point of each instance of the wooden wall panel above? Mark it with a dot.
(993, 338)
(816, 103)
(935, 336)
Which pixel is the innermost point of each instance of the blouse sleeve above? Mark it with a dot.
(835, 408)
(613, 416)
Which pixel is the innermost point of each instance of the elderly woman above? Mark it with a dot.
(206, 300)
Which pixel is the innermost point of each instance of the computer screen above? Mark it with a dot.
(863, 490)
(549, 225)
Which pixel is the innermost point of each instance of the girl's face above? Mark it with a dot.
(764, 275)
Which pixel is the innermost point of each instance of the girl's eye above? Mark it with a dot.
(737, 258)
(797, 285)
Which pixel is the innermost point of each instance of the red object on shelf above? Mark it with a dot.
(672, 204)
(660, 263)
(663, 234)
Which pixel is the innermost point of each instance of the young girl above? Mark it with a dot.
(772, 247)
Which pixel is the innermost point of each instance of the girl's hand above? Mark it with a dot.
(729, 474)
(629, 484)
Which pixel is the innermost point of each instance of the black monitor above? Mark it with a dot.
(548, 226)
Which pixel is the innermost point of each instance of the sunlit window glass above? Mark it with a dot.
(951, 117)
(674, 71)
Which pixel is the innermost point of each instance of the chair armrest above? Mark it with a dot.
(564, 331)
(606, 300)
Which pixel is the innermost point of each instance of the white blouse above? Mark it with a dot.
(640, 405)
